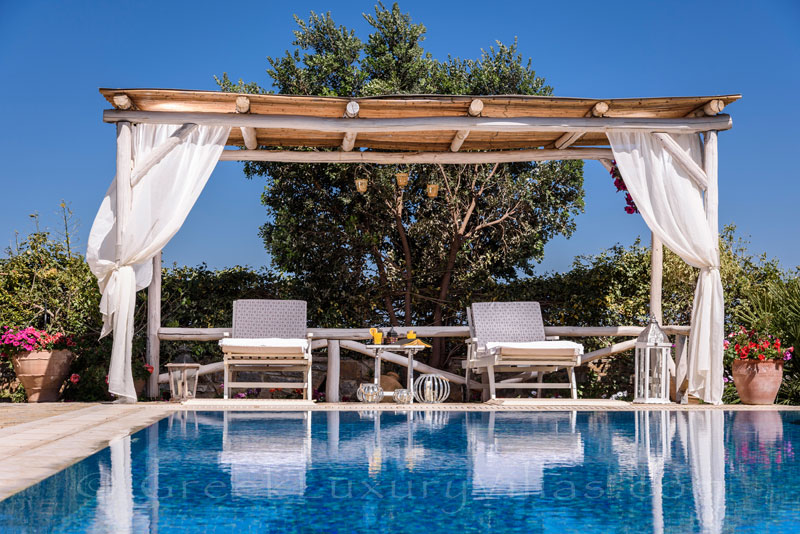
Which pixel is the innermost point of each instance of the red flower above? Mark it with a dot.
(149, 368)
(761, 357)
(106, 379)
(75, 378)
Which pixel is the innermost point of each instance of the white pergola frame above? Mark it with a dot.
(705, 119)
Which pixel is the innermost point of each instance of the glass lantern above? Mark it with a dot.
(653, 353)
(183, 374)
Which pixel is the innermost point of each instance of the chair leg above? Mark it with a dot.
(484, 383)
(492, 390)
(466, 380)
(539, 379)
(573, 385)
(225, 381)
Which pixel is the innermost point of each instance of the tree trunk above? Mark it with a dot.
(387, 299)
(398, 214)
(438, 352)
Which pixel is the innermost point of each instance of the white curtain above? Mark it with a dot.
(707, 459)
(673, 207)
(115, 493)
(159, 203)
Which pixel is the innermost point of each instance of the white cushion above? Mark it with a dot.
(285, 345)
(534, 346)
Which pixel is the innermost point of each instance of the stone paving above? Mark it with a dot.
(36, 449)
(37, 441)
(14, 414)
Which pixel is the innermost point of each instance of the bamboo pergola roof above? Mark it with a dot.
(418, 128)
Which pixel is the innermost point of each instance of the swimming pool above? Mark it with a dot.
(415, 472)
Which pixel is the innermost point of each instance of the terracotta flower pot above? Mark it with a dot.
(42, 373)
(138, 385)
(757, 382)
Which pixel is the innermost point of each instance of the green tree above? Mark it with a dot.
(392, 255)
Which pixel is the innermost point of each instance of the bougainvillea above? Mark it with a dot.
(619, 183)
(15, 340)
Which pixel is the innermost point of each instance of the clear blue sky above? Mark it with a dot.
(55, 55)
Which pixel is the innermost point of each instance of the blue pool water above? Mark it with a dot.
(428, 472)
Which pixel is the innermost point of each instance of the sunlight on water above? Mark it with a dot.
(425, 472)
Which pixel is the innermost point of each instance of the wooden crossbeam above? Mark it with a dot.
(710, 108)
(349, 141)
(159, 153)
(425, 124)
(598, 110)
(122, 101)
(242, 104)
(500, 156)
(250, 138)
(475, 108)
(351, 110)
(695, 172)
(458, 140)
(248, 133)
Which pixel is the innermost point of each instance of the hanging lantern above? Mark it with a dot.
(370, 393)
(183, 374)
(432, 190)
(431, 389)
(652, 357)
(402, 179)
(361, 185)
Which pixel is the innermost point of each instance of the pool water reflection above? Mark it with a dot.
(647, 471)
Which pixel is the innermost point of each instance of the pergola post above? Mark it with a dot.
(710, 167)
(332, 380)
(656, 277)
(153, 325)
(123, 179)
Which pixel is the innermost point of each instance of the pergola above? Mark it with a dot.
(168, 142)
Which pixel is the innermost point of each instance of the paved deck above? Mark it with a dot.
(38, 440)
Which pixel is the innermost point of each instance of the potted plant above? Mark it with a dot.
(756, 364)
(41, 360)
(141, 374)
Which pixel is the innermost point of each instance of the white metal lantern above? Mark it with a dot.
(653, 349)
(431, 389)
(370, 393)
(183, 374)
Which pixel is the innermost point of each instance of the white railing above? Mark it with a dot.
(336, 338)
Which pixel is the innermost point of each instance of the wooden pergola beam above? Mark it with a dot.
(458, 140)
(674, 149)
(349, 141)
(248, 133)
(598, 110)
(710, 108)
(500, 156)
(250, 138)
(161, 152)
(425, 124)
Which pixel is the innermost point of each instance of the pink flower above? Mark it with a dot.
(726, 343)
(75, 378)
